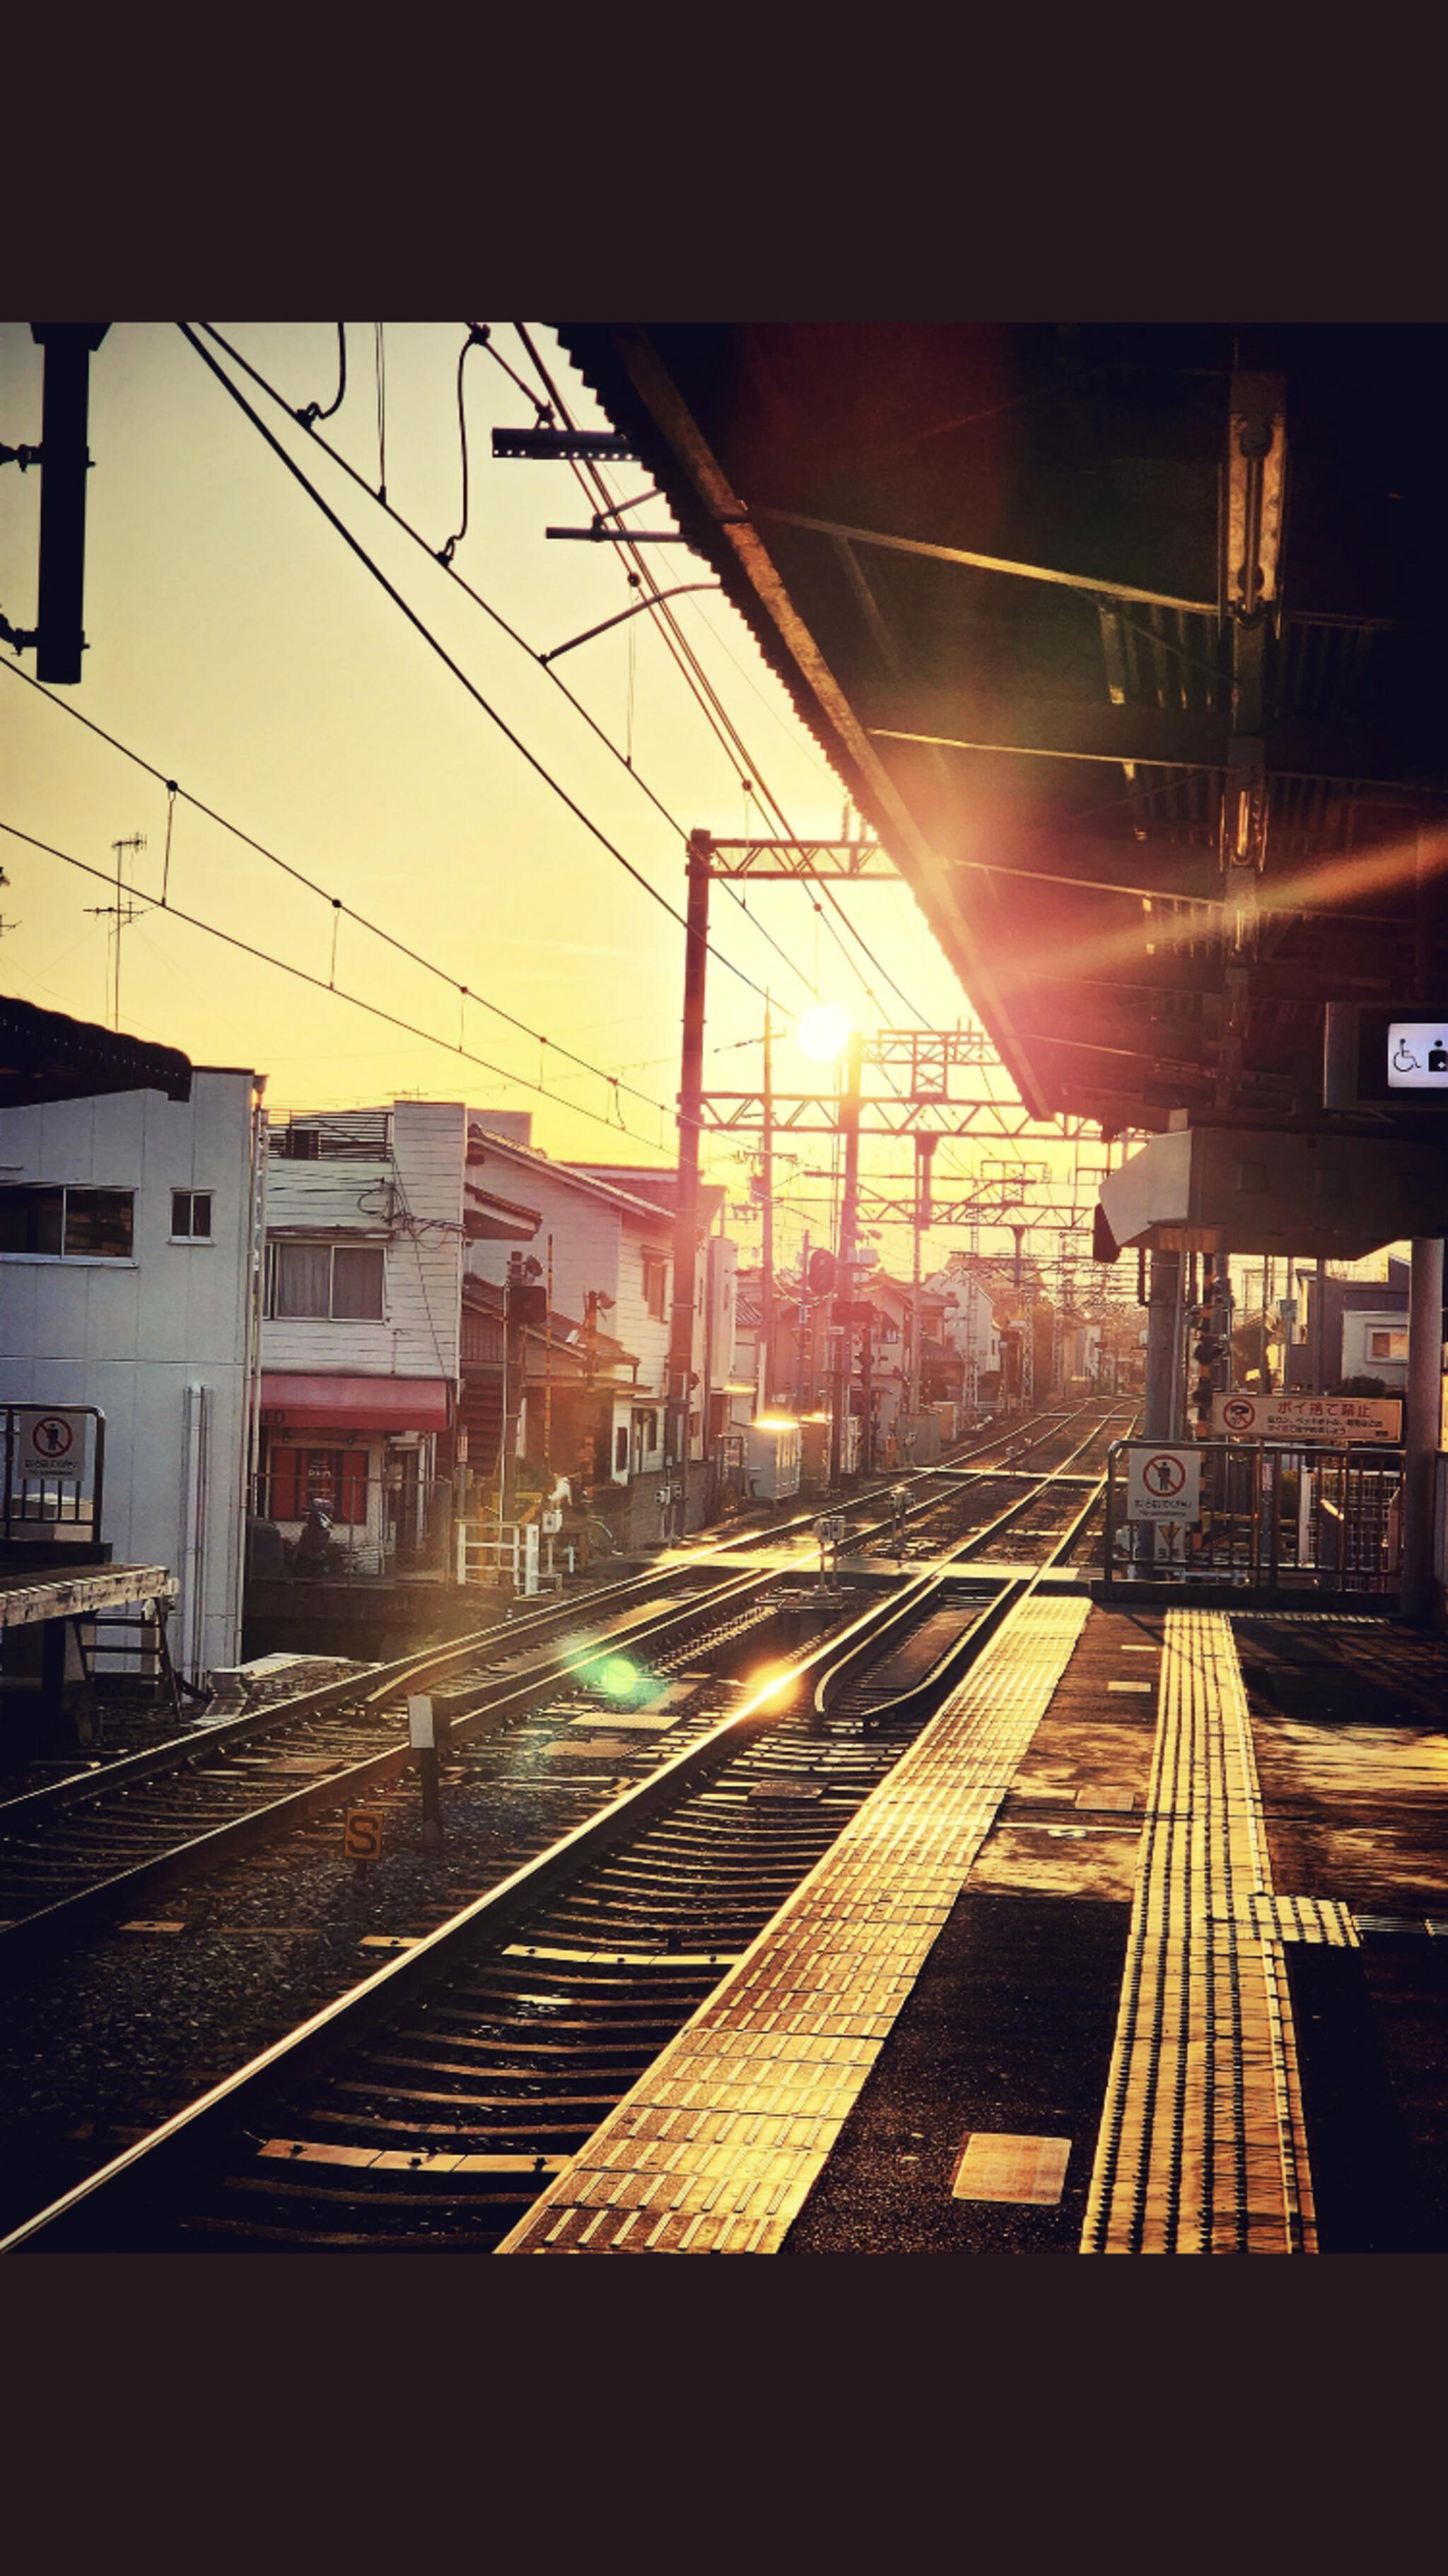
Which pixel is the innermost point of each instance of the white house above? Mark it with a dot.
(360, 1338)
(129, 1264)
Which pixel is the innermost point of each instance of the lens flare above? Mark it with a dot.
(619, 1677)
(823, 1032)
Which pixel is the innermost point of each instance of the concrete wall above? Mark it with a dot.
(134, 1337)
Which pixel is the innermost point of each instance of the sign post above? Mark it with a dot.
(422, 1736)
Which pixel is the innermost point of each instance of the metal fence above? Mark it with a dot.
(1273, 1517)
(54, 1472)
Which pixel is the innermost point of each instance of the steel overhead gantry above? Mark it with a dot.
(917, 1065)
(815, 1113)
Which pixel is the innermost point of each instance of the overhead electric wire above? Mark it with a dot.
(464, 992)
(358, 1002)
(312, 412)
(684, 651)
(438, 557)
(475, 340)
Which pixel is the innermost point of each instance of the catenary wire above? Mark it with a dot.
(435, 556)
(684, 653)
(616, 1126)
(465, 992)
(312, 412)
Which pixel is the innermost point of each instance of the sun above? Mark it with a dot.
(824, 1032)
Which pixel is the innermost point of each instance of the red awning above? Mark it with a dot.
(292, 1402)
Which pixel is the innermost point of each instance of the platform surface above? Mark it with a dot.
(30, 1593)
(716, 2149)
(1156, 1908)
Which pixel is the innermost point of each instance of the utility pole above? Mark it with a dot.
(686, 1207)
(1162, 1407)
(766, 1258)
(548, 1375)
(924, 1160)
(1421, 1423)
(64, 460)
(849, 1219)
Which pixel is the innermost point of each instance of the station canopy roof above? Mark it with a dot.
(1128, 643)
(44, 1055)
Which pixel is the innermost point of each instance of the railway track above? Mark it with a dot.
(988, 1501)
(427, 2108)
(100, 1842)
(86, 1850)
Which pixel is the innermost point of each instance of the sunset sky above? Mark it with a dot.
(242, 650)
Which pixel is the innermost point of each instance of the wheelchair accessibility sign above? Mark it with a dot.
(1164, 1485)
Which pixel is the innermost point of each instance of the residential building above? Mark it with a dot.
(361, 1332)
(130, 1237)
(604, 1241)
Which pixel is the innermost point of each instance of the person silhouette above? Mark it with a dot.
(1438, 1057)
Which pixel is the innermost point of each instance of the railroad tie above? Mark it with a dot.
(1202, 2147)
(717, 2147)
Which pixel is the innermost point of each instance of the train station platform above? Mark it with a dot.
(1141, 1947)
(54, 1616)
(30, 1593)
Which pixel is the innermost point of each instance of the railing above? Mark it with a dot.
(54, 1473)
(517, 1555)
(1269, 1517)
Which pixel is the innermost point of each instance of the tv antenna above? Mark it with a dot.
(121, 913)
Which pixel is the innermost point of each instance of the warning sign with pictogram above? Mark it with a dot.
(1163, 1484)
(49, 1443)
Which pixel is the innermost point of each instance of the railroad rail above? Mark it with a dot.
(85, 1850)
(95, 1844)
(429, 2106)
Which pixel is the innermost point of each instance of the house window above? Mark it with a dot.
(645, 1439)
(191, 1216)
(343, 1283)
(1387, 1346)
(294, 1476)
(74, 1225)
(656, 1284)
(620, 1450)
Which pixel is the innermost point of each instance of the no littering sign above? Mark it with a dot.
(48, 1444)
(1164, 1485)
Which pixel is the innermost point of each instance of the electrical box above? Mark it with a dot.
(773, 1449)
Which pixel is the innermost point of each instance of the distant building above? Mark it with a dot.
(1364, 1330)
(130, 1239)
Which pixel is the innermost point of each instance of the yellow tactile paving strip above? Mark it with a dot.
(717, 2147)
(1202, 2147)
